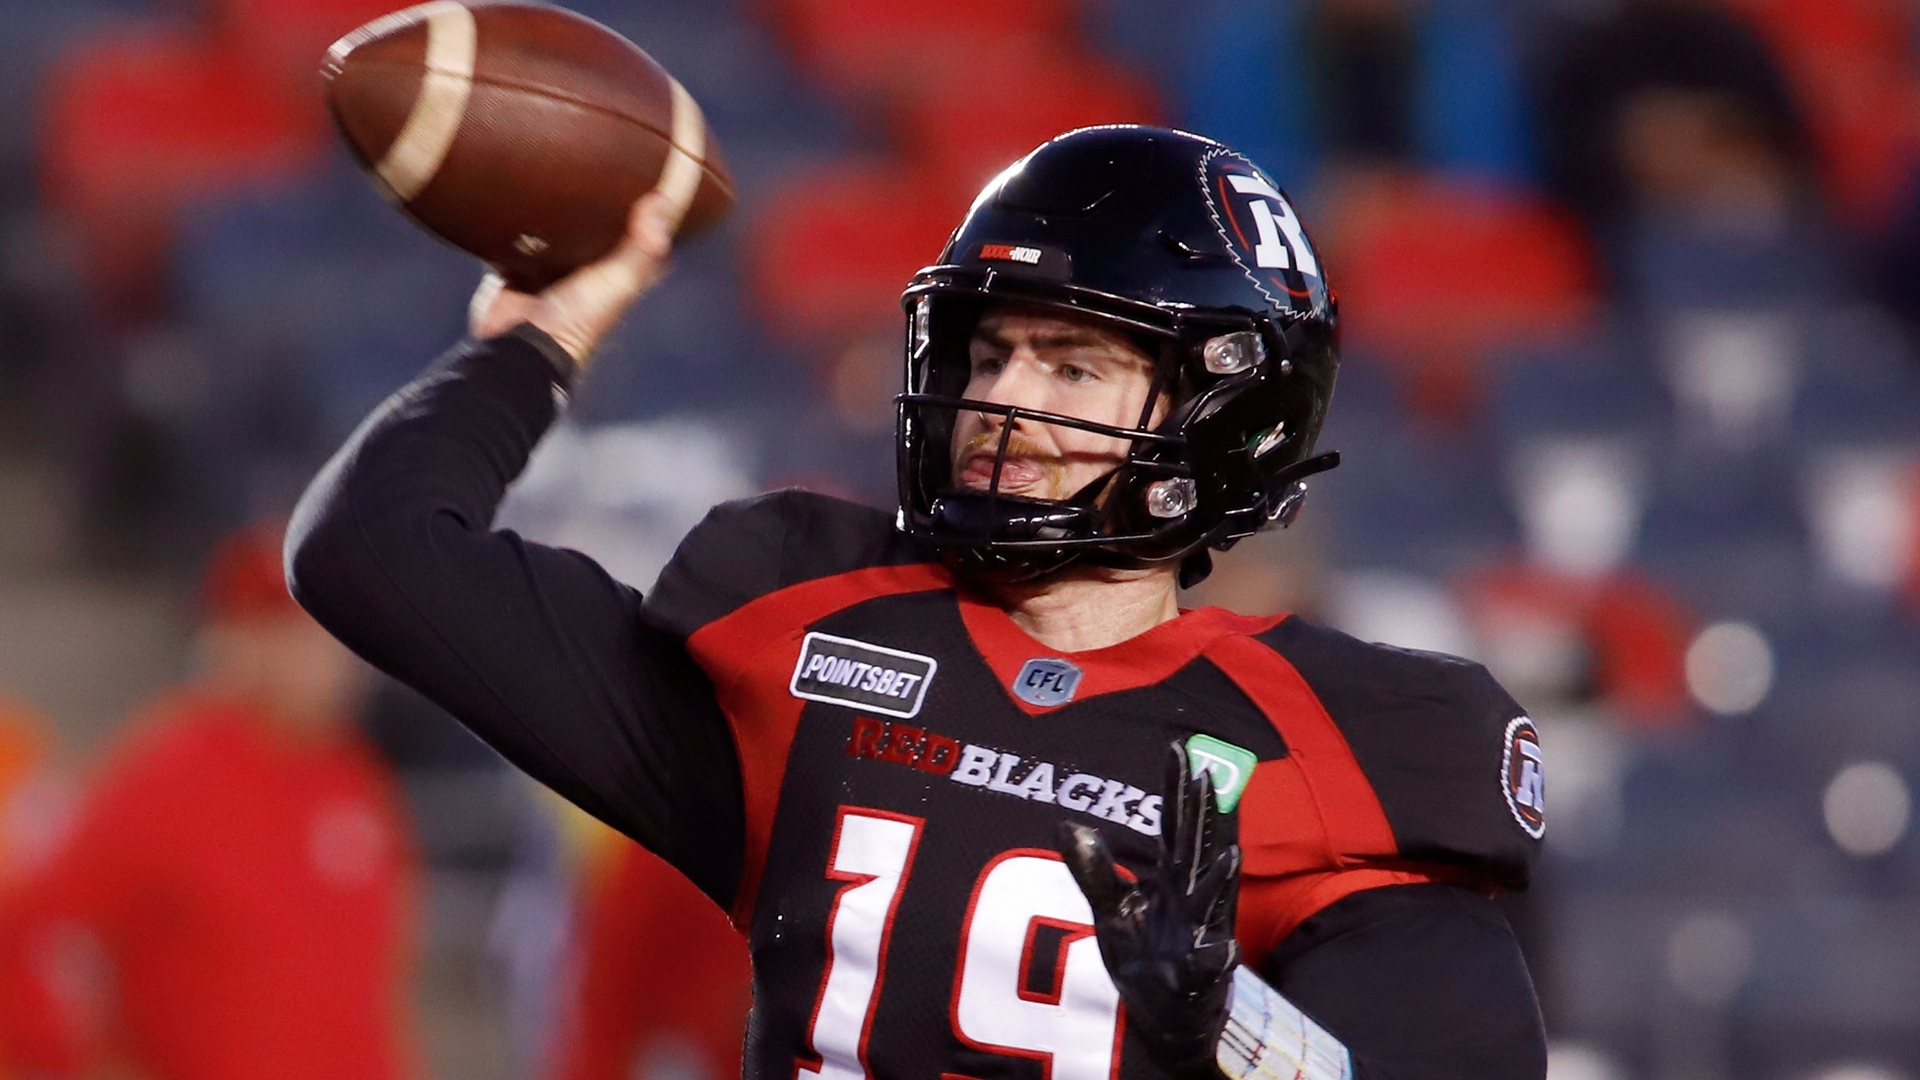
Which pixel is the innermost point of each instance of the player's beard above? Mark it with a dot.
(1049, 472)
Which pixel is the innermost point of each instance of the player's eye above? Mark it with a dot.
(1074, 373)
(988, 365)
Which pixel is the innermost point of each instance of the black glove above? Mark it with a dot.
(1168, 939)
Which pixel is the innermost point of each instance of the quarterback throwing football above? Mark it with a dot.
(986, 803)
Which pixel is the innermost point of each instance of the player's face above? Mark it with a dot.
(1058, 364)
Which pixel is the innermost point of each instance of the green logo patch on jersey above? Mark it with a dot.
(1230, 766)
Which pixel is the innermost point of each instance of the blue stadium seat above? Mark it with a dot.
(329, 279)
(767, 120)
(1601, 385)
(1663, 268)
(1729, 552)
(1243, 82)
(1471, 111)
(1404, 496)
(32, 33)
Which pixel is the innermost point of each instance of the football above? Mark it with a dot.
(519, 132)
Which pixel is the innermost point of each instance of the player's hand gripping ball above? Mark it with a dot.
(1168, 939)
(521, 133)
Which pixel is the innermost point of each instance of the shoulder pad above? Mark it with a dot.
(1454, 761)
(745, 549)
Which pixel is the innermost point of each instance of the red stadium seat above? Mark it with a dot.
(133, 127)
(1436, 277)
(969, 88)
(828, 260)
(289, 37)
(866, 46)
(967, 127)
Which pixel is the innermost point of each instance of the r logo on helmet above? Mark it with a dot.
(1261, 229)
(1523, 777)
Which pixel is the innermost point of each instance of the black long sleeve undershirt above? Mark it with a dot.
(558, 667)
(1421, 982)
(536, 649)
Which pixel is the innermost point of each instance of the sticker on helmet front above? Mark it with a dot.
(1261, 228)
(1011, 253)
(1032, 260)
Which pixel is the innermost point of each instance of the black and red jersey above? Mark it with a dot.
(867, 763)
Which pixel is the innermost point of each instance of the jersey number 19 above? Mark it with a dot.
(1024, 898)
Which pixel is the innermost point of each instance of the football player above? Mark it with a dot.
(922, 755)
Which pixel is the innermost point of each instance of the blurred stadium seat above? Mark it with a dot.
(135, 124)
(1437, 277)
(830, 257)
(1242, 80)
(287, 39)
(1628, 635)
(961, 129)
(325, 283)
(1236, 86)
(31, 36)
(1852, 63)
(867, 48)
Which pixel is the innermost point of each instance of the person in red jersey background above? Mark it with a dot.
(660, 983)
(23, 746)
(234, 897)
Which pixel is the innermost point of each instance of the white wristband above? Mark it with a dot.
(1266, 1037)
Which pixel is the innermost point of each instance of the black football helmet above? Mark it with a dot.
(1191, 250)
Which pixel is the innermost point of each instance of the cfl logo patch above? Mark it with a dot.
(1523, 778)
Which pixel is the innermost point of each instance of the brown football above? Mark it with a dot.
(519, 132)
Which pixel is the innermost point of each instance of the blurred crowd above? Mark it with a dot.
(1630, 412)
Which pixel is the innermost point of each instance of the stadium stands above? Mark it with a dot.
(1686, 357)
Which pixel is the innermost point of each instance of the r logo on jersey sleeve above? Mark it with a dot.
(1523, 777)
(842, 671)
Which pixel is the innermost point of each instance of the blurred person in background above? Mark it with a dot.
(23, 746)
(234, 897)
(658, 983)
(1676, 111)
(27, 793)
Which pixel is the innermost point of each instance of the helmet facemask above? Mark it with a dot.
(1148, 509)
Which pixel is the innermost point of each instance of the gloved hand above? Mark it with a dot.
(1167, 939)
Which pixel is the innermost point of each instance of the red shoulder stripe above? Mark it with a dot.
(749, 654)
(1350, 813)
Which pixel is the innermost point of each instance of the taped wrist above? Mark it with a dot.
(1266, 1038)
